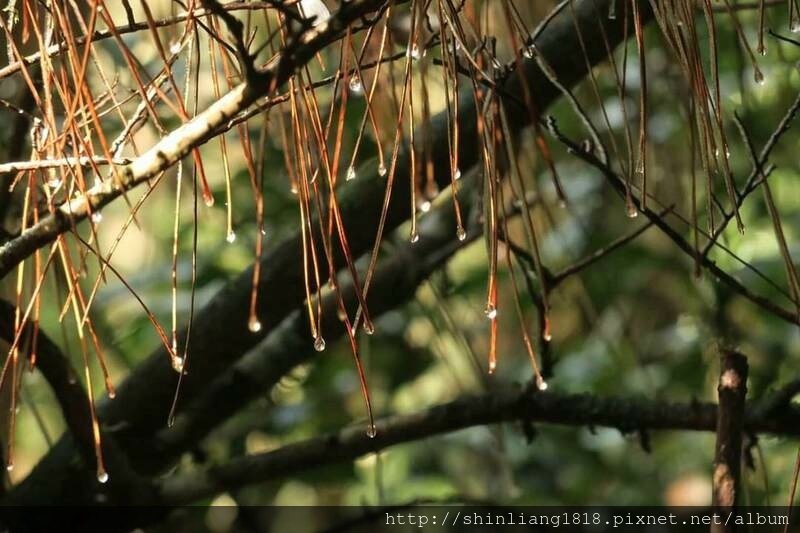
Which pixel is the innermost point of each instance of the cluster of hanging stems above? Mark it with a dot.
(63, 148)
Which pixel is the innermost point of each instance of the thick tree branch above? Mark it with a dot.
(626, 414)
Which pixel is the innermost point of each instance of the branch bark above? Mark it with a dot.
(627, 414)
(732, 390)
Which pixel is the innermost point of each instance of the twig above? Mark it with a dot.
(758, 169)
(42, 164)
(619, 186)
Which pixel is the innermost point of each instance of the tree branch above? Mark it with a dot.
(177, 144)
(618, 184)
(627, 414)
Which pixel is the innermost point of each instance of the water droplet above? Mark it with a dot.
(631, 211)
(102, 476)
(175, 47)
(758, 76)
(457, 174)
(382, 169)
(254, 325)
(461, 234)
(177, 364)
(413, 52)
(54, 182)
(612, 11)
(795, 26)
(9, 466)
(171, 420)
(97, 217)
(414, 237)
(112, 394)
(341, 314)
(369, 327)
(231, 237)
(371, 431)
(356, 87)
(293, 190)
(209, 200)
(529, 52)
(425, 206)
(492, 366)
(762, 50)
(547, 335)
(490, 311)
(319, 343)
(351, 174)
(541, 384)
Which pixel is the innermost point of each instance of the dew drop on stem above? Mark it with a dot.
(630, 207)
(541, 384)
(369, 327)
(319, 343)
(351, 174)
(490, 311)
(372, 432)
(529, 52)
(382, 169)
(254, 325)
(414, 237)
(177, 364)
(102, 476)
(461, 234)
(231, 237)
(356, 87)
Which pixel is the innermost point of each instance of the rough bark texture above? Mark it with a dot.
(732, 391)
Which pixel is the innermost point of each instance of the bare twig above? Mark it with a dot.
(619, 186)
